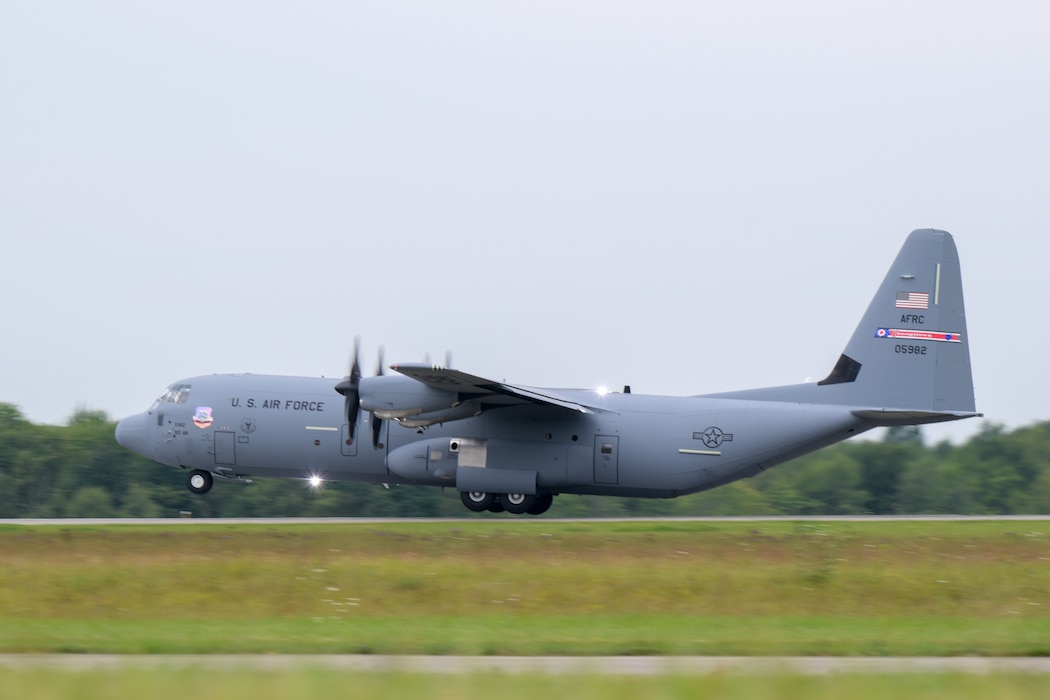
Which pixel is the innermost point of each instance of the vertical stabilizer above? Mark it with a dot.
(911, 350)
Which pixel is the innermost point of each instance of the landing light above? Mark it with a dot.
(602, 390)
(316, 481)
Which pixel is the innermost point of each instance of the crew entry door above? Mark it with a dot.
(225, 447)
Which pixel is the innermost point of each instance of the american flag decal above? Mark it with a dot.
(913, 300)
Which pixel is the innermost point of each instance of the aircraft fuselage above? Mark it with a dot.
(295, 427)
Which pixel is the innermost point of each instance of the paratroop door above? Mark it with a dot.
(606, 461)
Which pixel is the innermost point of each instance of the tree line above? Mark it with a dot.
(79, 470)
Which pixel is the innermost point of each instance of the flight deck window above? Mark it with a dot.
(176, 393)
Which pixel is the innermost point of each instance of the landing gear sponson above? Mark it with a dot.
(517, 503)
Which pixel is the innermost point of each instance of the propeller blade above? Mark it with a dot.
(351, 389)
(355, 366)
(377, 428)
(352, 406)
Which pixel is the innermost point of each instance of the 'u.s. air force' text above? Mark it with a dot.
(279, 404)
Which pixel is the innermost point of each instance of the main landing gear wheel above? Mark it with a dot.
(517, 503)
(478, 501)
(199, 481)
(542, 504)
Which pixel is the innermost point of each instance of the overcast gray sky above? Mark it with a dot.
(686, 197)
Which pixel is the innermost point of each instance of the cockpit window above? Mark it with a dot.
(176, 393)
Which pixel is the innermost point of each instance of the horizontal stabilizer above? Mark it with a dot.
(885, 418)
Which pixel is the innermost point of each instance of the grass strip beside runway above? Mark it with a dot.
(530, 588)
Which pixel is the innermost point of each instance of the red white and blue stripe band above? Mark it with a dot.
(940, 336)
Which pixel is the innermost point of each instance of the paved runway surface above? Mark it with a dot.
(376, 521)
(551, 665)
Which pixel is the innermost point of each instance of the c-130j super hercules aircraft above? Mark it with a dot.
(513, 448)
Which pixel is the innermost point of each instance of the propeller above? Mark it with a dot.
(448, 359)
(350, 388)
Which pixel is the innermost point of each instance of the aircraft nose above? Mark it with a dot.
(131, 432)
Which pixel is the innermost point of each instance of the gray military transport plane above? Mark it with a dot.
(512, 448)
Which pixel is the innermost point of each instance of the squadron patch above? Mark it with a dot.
(202, 417)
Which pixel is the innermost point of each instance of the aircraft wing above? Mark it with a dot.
(487, 391)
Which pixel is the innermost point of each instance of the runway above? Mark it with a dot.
(547, 665)
(505, 520)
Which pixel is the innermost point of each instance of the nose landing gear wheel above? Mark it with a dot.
(478, 501)
(199, 481)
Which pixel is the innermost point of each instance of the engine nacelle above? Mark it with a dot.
(467, 409)
(392, 397)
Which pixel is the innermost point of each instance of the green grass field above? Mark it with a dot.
(530, 587)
